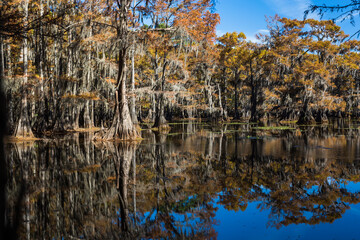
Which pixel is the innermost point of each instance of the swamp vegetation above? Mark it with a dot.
(70, 65)
(131, 119)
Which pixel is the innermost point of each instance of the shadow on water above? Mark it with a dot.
(172, 186)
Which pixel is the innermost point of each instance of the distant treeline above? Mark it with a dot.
(84, 64)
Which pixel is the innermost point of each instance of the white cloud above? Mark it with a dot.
(252, 39)
(219, 33)
(263, 31)
(249, 37)
(291, 8)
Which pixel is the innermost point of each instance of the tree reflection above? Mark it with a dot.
(175, 212)
(295, 190)
(123, 154)
(170, 186)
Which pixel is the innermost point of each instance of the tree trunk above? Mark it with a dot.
(237, 115)
(23, 128)
(209, 96)
(254, 93)
(254, 114)
(305, 114)
(220, 103)
(4, 234)
(132, 85)
(88, 120)
(122, 126)
(75, 111)
(160, 121)
(2, 62)
(9, 65)
(208, 91)
(41, 124)
(224, 91)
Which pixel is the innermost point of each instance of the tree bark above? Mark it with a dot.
(40, 122)
(306, 116)
(132, 88)
(2, 61)
(23, 128)
(88, 120)
(237, 115)
(160, 121)
(208, 91)
(254, 93)
(122, 126)
(3, 165)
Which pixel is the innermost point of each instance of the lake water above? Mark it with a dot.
(199, 181)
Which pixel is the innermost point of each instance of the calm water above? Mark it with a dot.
(197, 182)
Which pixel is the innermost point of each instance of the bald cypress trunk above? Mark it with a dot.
(132, 85)
(2, 61)
(306, 116)
(122, 126)
(208, 92)
(160, 121)
(23, 128)
(88, 119)
(40, 124)
(3, 165)
(237, 115)
(254, 95)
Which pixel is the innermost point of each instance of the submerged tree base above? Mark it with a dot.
(118, 132)
(92, 129)
(12, 139)
(306, 118)
(122, 127)
(23, 129)
(161, 125)
(321, 117)
(164, 128)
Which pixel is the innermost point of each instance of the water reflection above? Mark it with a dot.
(171, 186)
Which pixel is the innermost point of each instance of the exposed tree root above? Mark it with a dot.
(23, 129)
(160, 124)
(306, 118)
(59, 127)
(165, 128)
(321, 117)
(121, 128)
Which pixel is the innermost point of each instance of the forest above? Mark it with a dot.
(136, 119)
(111, 65)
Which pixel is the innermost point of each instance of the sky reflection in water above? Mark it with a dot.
(197, 182)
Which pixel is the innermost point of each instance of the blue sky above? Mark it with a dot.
(248, 16)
